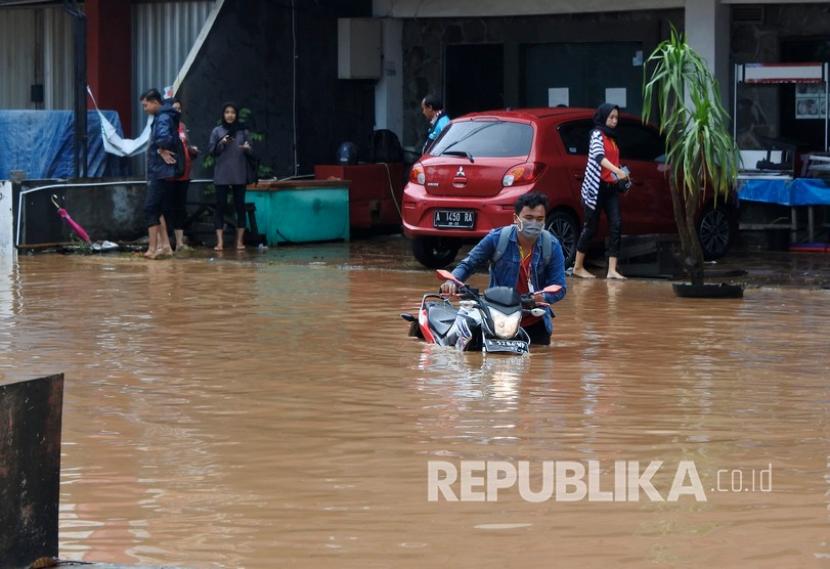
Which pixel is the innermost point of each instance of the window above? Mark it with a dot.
(576, 136)
(485, 138)
(638, 142)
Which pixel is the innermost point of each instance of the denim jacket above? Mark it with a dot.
(506, 271)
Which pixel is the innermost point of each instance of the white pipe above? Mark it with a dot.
(294, 81)
(826, 103)
(738, 69)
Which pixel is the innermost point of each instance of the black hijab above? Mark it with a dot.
(231, 127)
(601, 116)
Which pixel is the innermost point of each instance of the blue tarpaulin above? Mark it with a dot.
(41, 143)
(800, 191)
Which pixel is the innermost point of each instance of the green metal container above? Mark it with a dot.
(301, 211)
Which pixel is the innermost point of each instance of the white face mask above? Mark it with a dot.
(530, 229)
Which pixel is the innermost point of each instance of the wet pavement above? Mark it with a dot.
(268, 410)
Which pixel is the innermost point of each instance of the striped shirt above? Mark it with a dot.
(593, 170)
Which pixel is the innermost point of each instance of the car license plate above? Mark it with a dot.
(454, 219)
(506, 346)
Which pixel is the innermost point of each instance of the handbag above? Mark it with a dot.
(625, 184)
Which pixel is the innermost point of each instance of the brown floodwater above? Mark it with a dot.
(259, 412)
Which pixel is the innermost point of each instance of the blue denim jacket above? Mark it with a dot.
(506, 271)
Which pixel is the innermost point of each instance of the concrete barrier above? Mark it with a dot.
(6, 219)
(111, 209)
(30, 458)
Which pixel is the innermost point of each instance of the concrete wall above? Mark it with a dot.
(249, 57)
(30, 458)
(425, 41)
(112, 212)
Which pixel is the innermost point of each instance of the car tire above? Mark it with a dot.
(565, 227)
(716, 232)
(435, 252)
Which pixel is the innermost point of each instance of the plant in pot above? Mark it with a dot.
(701, 154)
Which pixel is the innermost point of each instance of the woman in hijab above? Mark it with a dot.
(230, 145)
(600, 190)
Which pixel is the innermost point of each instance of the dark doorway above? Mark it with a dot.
(474, 78)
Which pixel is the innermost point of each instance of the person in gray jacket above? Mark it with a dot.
(230, 145)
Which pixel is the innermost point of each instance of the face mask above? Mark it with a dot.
(530, 229)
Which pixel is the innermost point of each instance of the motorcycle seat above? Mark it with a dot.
(441, 319)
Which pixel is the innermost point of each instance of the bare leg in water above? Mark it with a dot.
(220, 238)
(152, 234)
(240, 242)
(612, 270)
(579, 267)
(180, 246)
(164, 247)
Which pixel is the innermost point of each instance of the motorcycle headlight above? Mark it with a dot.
(505, 326)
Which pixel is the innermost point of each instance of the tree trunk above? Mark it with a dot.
(695, 252)
(684, 217)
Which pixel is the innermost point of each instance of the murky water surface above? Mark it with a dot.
(257, 413)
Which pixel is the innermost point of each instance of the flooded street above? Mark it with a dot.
(258, 412)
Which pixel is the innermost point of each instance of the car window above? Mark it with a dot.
(576, 136)
(486, 138)
(638, 142)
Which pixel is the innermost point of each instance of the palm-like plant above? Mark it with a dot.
(700, 150)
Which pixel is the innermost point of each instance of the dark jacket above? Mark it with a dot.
(231, 167)
(164, 134)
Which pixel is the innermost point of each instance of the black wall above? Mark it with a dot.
(30, 466)
(247, 58)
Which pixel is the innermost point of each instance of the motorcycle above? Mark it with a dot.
(488, 321)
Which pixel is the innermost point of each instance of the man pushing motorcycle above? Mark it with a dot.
(524, 256)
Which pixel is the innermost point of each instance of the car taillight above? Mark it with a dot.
(522, 174)
(417, 176)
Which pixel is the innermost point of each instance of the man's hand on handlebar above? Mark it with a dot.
(449, 287)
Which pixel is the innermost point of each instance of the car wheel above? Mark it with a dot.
(435, 252)
(715, 231)
(564, 225)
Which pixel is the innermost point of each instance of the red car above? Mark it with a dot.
(467, 183)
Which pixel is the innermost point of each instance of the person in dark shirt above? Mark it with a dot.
(161, 168)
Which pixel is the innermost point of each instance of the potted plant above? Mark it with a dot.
(701, 154)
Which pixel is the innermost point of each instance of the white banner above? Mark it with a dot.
(113, 143)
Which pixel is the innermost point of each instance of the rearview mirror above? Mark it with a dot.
(445, 275)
